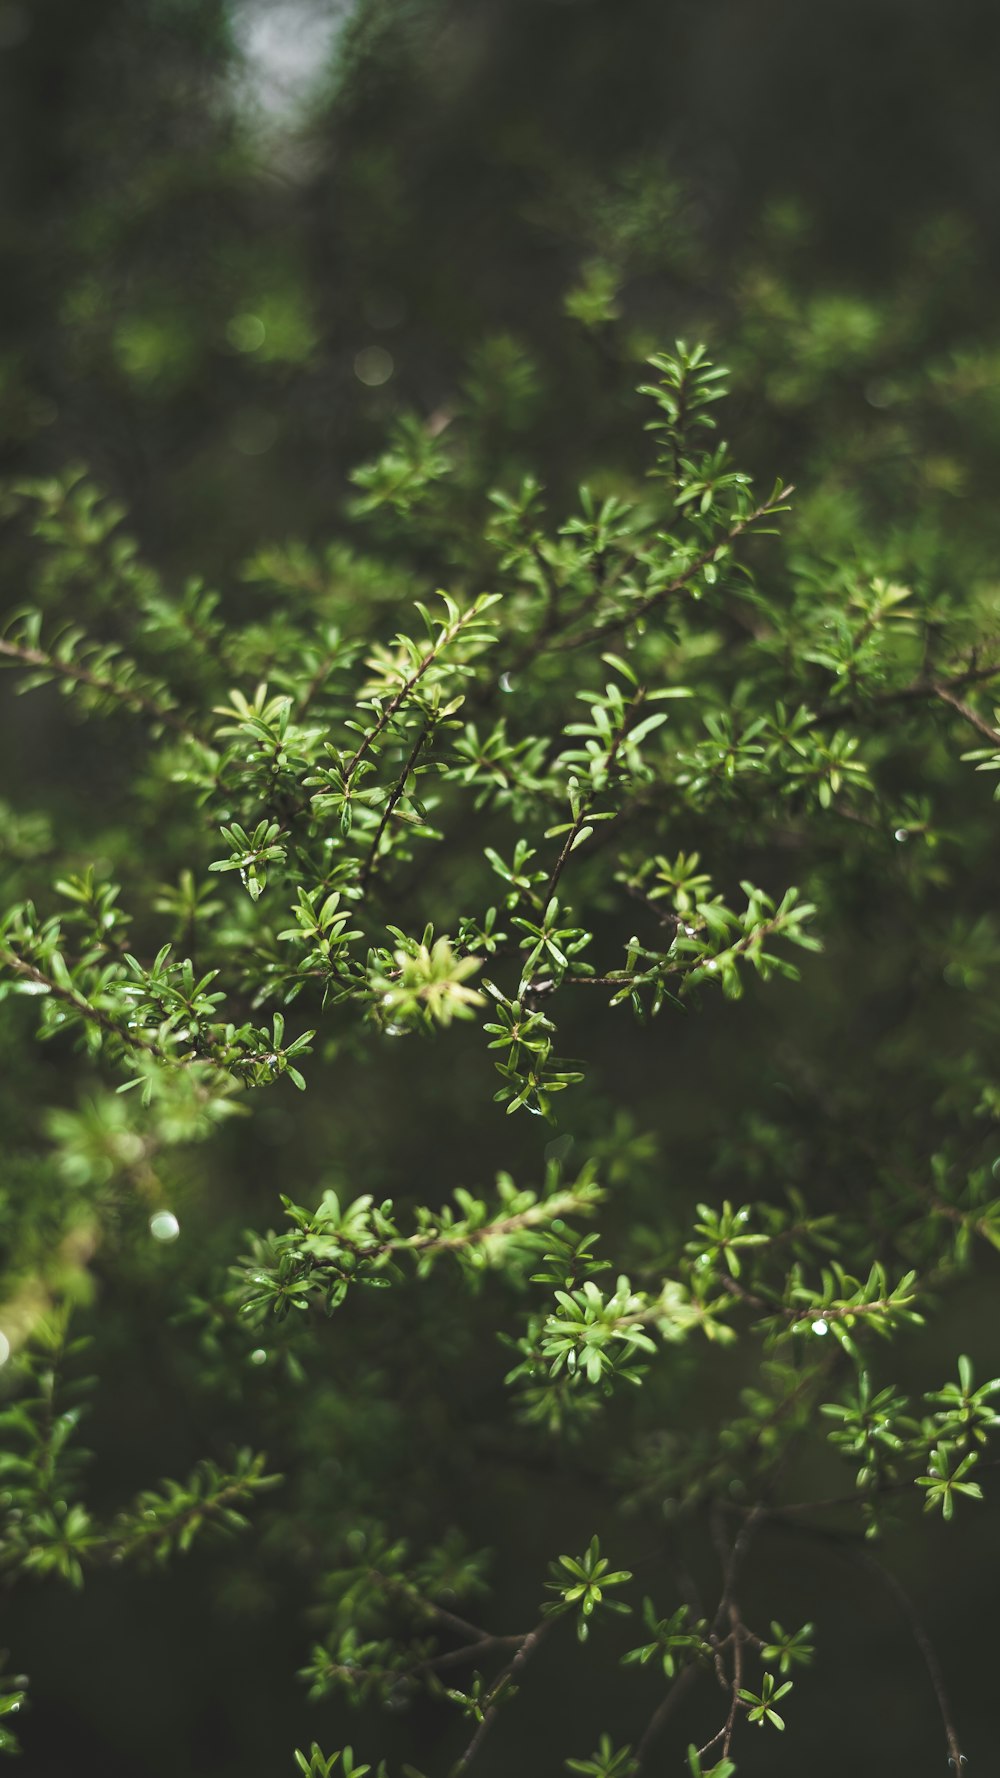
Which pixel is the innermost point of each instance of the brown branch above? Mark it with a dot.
(524, 1653)
(447, 635)
(926, 686)
(126, 1545)
(623, 620)
(728, 1612)
(33, 657)
(588, 802)
(456, 1657)
(620, 978)
(785, 1518)
(666, 1707)
(132, 1039)
(441, 1241)
(956, 1758)
(370, 865)
(474, 1633)
(967, 713)
(551, 626)
(727, 1738)
(864, 1558)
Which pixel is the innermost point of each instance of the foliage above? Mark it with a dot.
(463, 831)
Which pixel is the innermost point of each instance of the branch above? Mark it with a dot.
(587, 802)
(86, 1009)
(370, 865)
(924, 687)
(728, 1612)
(524, 1653)
(623, 620)
(666, 1707)
(130, 1039)
(33, 657)
(448, 634)
(967, 713)
(956, 1758)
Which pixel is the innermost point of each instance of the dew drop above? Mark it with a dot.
(258, 1355)
(505, 682)
(820, 1327)
(164, 1226)
(4, 1348)
(901, 834)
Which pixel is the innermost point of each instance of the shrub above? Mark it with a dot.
(666, 761)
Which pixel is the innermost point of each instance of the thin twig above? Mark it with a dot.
(923, 1642)
(524, 1653)
(131, 1039)
(587, 802)
(447, 635)
(926, 686)
(370, 865)
(625, 618)
(967, 713)
(33, 657)
(666, 1707)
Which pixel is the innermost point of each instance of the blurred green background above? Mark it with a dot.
(238, 239)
